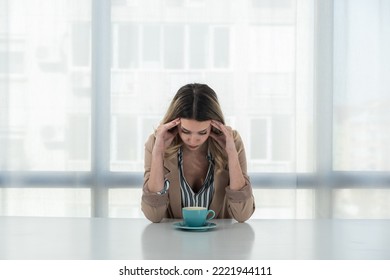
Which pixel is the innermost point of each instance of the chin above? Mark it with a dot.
(193, 148)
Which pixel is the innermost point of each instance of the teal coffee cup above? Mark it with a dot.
(197, 216)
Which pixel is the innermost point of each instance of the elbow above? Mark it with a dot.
(242, 211)
(152, 217)
(153, 214)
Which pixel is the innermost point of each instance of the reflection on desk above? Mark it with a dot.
(118, 239)
(229, 240)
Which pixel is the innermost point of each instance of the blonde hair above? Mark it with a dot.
(197, 102)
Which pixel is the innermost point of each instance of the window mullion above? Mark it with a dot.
(323, 86)
(101, 105)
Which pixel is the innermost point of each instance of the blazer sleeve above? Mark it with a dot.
(241, 204)
(153, 205)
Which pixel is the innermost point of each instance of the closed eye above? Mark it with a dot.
(185, 131)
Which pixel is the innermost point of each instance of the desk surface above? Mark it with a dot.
(99, 238)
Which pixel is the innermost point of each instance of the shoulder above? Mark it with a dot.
(150, 142)
(237, 136)
(238, 140)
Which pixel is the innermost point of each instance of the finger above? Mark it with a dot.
(220, 126)
(218, 139)
(172, 124)
(216, 124)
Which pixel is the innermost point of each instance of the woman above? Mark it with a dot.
(193, 159)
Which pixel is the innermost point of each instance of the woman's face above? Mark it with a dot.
(194, 133)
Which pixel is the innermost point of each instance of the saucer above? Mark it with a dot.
(182, 225)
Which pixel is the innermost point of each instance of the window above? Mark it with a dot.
(81, 44)
(83, 84)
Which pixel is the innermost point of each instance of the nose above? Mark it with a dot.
(193, 139)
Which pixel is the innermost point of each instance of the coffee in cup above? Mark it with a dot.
(197, 216)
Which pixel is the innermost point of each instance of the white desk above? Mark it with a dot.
(98, 238)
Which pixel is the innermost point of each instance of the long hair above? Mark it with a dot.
(197, 102)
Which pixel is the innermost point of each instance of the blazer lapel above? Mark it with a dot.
(221, 181)
(172, 175)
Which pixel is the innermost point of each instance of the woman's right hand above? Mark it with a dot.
(164, 135)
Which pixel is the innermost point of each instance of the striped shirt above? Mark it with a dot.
(204, 196)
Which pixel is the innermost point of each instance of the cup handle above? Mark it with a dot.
(212, 215)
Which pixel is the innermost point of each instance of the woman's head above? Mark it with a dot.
(196, 105)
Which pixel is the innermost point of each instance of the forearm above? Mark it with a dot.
(153, 205)
(237, 180)
(156, 177)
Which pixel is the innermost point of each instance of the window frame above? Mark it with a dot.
(100, 179)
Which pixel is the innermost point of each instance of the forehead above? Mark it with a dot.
(193, 125)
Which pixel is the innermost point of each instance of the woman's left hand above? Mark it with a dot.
(225, 139)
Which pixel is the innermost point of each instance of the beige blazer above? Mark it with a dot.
(225, 202)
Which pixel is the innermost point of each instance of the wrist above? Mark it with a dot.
(158, 190)
(232, 153)
(237, 187)
(165, 188)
